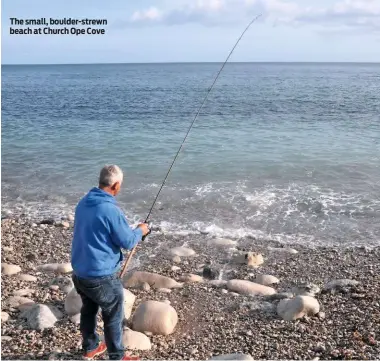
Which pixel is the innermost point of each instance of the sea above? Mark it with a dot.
(281, 151)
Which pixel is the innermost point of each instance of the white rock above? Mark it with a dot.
(232, 356)
(249, 288)
(40, 317)
(23, 292)
(340, 283)
(70, 218)
(191, 278)
(56, 267)
(175, 268)
(75, 319)
(135, 279)
(182, 252)
(65, 224)
(6, 338)
(222, 242)
(156, 317)
(176, 259)
(27, 278)
(73, 303)
(266, 280)
(9, 269)
(54, 287)
(297, 307)
(133, 340)
(129, 300)
(7, 249)
(4, 317)
(16, 301)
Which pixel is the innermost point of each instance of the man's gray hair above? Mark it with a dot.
(109, 175)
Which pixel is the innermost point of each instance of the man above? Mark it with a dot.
(100, 232)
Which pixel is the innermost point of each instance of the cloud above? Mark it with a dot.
(350, 14)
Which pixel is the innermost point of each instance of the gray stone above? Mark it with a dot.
(40, 317)
(340, 283)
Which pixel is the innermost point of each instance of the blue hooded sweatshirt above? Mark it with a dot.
(100, 231)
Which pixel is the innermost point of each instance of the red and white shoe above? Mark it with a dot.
(131, 358)
(98, 351)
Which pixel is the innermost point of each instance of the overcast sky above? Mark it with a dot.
(198, 30)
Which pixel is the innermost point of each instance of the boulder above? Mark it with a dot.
(56, 267)
(9, 269)
(222, 243)
(249, 288)
(339, 284)
(129, 300)
(4, 317)
(133, 340)
(75, 319)
(16, 301)
(251, 259)
(297, 307)
(73, 303)
(211, 272)
(191, 278)
(232, 356)
(40, 317)
(26, 278)
(135, 279)
(266, 280)
(182, 252)
(176, 259)
(156, 317)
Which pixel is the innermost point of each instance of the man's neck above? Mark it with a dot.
(107, 190)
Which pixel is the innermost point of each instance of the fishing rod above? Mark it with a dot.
(183, 142)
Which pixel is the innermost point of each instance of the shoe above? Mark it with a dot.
(131, 358)
(98, 351)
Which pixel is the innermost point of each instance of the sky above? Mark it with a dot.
(140, 31)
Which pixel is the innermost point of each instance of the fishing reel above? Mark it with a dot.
(149, 230)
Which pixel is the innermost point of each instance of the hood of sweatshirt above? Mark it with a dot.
(97, 196)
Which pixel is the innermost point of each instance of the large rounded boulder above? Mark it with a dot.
(297, 307)
(250, 288)
(156, 317)
(136, 279)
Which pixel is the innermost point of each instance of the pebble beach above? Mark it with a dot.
(215, 317)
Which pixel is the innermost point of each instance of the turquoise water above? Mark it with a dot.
(284, 151)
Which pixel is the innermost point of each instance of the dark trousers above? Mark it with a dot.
(106, 293)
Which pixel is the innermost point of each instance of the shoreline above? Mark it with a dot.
(211, 320)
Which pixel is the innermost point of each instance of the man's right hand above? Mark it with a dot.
(145, 228)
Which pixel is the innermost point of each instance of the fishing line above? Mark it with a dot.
(184, 140)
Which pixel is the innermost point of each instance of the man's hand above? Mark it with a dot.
(145, 228)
